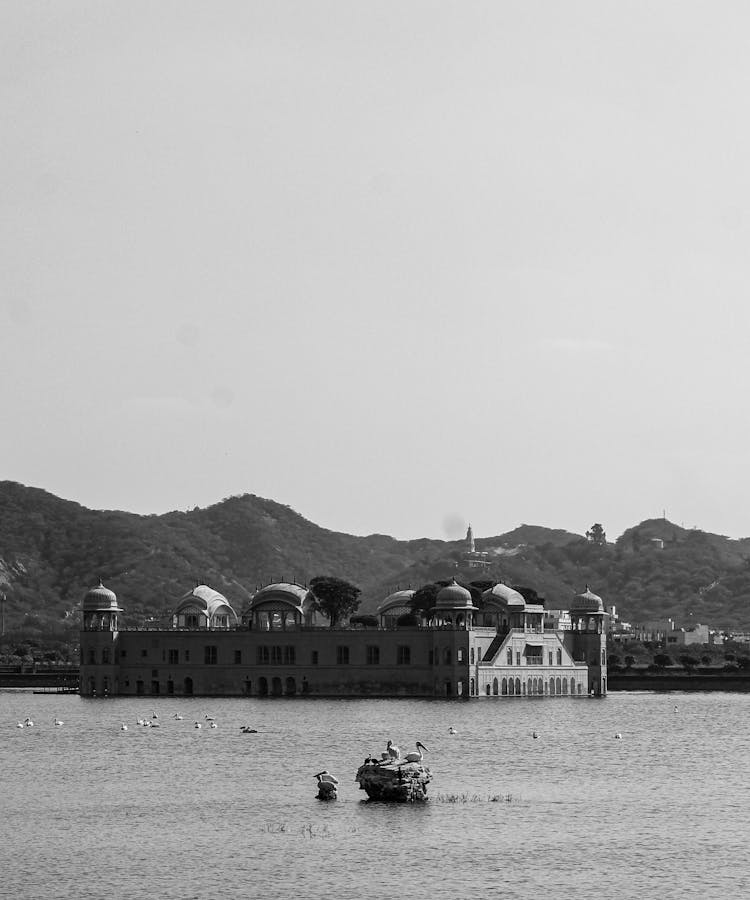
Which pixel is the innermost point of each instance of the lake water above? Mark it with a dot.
(90, 811)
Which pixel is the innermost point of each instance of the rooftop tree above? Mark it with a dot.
(337, 598)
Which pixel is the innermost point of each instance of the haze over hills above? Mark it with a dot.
(52, 551)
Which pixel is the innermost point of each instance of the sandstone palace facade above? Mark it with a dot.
(280, 646)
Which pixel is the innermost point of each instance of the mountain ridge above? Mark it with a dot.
(52, 550)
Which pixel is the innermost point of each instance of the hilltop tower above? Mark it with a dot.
(590, 639)
(470, 539)
(99, 655)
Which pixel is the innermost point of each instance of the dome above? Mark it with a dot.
(205, 600)
(282, 592)
(453, 596)
(501, 593)
(100, 599)
(587, 602)
(397, 600)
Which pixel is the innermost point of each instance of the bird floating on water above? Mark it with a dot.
(123, 727)
(214, 725)
(59, 722)
(246, 729)
(176, 716)
(535, 734)
(28, 723)
(452, 730)
(416, 757)
(198, 725)
(618, 736)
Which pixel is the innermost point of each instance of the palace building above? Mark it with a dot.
(280, 645)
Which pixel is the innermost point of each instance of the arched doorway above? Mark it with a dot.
(290, 687)
(263, 687)
(276, 686)
(187, 687)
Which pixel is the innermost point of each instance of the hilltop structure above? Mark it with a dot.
(280, 645)
(473, 558)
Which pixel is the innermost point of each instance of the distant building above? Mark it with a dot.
(281, 645)
(473, 558)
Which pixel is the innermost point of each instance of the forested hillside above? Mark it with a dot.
(53, 550)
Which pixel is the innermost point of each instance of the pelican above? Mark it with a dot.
(246, 729)
(326, 777)
(141, 722)
(452, 730)
(618, 736)
(20, 725)
(154, 715)
(123, 727)
(28, 723)
(209, 718)
(59, 722)
(214, 725)
(179, 718)
(535, 734)
(416, 757)
(198, 725)
(392, 750)
(153, 724)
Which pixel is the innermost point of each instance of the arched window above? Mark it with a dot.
(572, 685)
(604, 658)
(494, 686)
(472, 687)
(510, 656)
(559, 656)
(471, 656)
(565, 685)
(504, 687)
(511, 687)
(488, 689)
(460, 654)
(518, 686)
(447, 656)
(552, 687)
(558, 685)
(529, 688)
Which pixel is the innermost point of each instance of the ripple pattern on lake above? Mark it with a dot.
(90, 811)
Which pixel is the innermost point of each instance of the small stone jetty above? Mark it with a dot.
(398, 781)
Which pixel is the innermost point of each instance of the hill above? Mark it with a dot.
(53, 550)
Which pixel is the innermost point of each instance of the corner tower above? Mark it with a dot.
(99, 640)
(589, 638)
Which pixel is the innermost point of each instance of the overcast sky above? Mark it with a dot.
(399, 265)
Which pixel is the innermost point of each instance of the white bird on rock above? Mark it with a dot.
(392, 750)
(416, 757)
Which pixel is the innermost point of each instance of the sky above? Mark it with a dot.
(400, 266)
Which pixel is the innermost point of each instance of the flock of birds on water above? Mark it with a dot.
(391, 753)
(153, 722)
